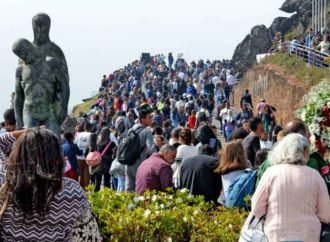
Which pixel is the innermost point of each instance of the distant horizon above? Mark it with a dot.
(98, 38)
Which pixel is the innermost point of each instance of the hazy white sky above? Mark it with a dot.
(100, 36)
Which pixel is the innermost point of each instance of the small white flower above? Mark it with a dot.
(154, 198)
(185, 219)
(162, 206)
(196, 212)
(141, 198)
(136, 199)
(147, 213)
(170, 197)
(230, 226)
(130, 206)
(184, 190)
(157, 212)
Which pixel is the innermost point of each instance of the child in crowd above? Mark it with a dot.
(192, 120)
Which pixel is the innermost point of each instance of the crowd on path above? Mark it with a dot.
(152, 128)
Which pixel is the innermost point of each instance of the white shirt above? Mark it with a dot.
(266, 145)
(231, 80)
(183, 152)
(82, 141)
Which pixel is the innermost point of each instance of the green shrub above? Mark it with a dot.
(298, 67)
(172, 216)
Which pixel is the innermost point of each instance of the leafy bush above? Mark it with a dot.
(172, 216)
(298, 67)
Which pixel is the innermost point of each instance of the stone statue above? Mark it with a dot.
(42, 81)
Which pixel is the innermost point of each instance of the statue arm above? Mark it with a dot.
(19, 99)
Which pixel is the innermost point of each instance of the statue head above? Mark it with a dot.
(41, 27)
(25, 50)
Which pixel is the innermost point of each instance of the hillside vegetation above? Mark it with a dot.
(311, 75)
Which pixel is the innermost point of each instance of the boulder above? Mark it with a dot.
(258, 41)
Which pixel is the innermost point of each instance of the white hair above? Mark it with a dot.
(290, 150)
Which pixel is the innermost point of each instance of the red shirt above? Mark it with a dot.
(154, 173)
(191, 121)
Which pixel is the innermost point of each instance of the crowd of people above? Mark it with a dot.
(158, 123)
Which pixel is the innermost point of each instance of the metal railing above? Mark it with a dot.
(310, 55)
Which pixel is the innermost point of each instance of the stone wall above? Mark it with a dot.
(282, 91)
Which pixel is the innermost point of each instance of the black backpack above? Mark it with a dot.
(129, 148)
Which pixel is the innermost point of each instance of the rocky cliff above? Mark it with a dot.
(260, 39)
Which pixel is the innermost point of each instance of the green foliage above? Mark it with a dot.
(298, 68)
(171, 216)
(292, 34)
(85, 106)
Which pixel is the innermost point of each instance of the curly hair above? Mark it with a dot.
(34, 172)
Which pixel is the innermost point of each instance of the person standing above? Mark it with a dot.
(146, 141)
(251, 142)
(82, 140)
(246, 98)
(292, 197)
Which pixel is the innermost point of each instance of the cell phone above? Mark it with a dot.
(212, 142)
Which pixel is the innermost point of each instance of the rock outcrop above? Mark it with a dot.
(260, 39)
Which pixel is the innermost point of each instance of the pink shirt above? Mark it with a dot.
(294, 199)
(261, 106)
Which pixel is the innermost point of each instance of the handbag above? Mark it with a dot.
(254, 231)
(117, 168)
(325, 233)
(94, 158)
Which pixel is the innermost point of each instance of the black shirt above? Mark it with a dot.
(197, 174)
(251, 145)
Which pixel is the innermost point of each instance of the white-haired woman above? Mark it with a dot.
(292, 197)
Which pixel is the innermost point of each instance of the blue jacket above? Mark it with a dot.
(71, 151)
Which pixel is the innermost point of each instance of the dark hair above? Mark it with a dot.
(295, 126)
(34, 172)
(9, 116)
(68, 136)
(206, 150)
(88, 126)
(104, 136)
(158, 130)
(143, 113)
(255, 121)
(186, 136)
(238, 134)
(175, 133)
(261, 156)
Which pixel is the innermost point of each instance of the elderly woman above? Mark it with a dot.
(36, 202)
(292, 197)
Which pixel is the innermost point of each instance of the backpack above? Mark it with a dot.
(243, 185)
(129, 149)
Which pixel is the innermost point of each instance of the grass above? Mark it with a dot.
(84, 107)
(298, 68)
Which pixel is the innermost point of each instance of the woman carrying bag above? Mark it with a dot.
(104, 146)
(292, 197)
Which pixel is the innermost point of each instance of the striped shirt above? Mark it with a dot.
(6, 142)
